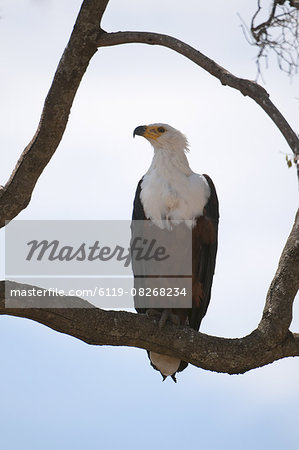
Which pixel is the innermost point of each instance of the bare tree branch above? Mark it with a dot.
(277, 315)
(271, 341)
(278, 34)
(16, 194)
(246, 87)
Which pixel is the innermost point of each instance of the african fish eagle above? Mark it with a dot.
(171, 191)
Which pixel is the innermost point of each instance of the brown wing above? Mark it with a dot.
(138, 211)
(204, 250)
(138, 214)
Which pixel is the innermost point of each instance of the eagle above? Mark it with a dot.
(172, 194)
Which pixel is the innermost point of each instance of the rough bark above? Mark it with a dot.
(271, 340)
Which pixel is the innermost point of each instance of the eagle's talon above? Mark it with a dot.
(153, 314)
(168, 315)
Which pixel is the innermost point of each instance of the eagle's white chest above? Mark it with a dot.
(173, 195)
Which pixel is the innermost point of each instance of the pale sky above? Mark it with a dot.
(61, 393)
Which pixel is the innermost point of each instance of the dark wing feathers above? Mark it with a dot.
(205, 241)
(138, 214)
(138, 211)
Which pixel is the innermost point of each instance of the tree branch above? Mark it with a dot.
(98, 327)
(246, 87)
(277, 315)
(271, 341)
(16, 194)
(279, 34)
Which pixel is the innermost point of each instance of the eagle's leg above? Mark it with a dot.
(168, 315)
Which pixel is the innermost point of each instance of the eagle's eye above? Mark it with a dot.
(161, 130)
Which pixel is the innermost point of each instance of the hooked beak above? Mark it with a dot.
(139, 131)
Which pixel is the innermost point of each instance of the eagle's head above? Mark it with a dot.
(163, 136)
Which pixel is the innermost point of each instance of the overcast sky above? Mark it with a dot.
(61, 393)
